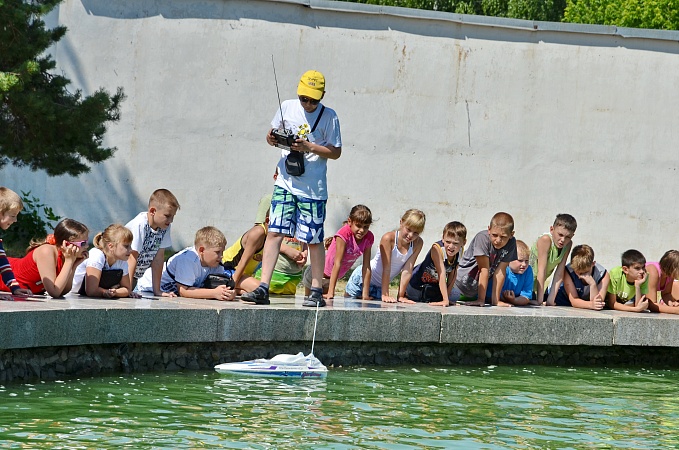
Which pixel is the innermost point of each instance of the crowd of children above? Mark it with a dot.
(270, 257)
(495, 269)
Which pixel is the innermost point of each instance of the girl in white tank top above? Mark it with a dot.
(398, 260)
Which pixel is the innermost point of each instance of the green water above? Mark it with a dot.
(385, 408)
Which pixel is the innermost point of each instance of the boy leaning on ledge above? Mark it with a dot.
(629, 284)
(549, 254)
(150, 237)
(486, 257)
(185, 272)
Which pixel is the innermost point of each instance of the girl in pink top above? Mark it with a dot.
(344, 248)
(662, 279)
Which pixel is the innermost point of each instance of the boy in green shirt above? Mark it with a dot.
(629, 284)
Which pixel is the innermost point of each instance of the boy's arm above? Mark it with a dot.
(340, 249)
(367, 273)
(596, 301)
(484, 267)
(324, 151)
(557, 279)
(543, 244)
(222, 293)
(612, 304)
(386, 244)
(157, 273)
(437, 258)
(498, 283)
(638, 289)
(407, 271)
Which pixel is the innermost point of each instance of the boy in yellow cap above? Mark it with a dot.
(300, 194)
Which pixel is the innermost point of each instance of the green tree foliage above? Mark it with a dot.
(656, 14)
(42, 124)
(548, 10)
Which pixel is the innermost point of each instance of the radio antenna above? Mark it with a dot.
(280, 107)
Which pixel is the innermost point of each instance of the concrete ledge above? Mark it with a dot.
(84, 321)
(537, 326)
(652, 330)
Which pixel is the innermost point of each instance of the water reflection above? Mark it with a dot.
(483, 407)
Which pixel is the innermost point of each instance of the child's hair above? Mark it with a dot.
(113, 234)
(9, 201)
(582, 258)
(522, 250)
(65, 230)
(414, 219)
(631, 257)
(209, 237)
(503, 221)
(162, 198)
(361, 214)
(669, 263)
(455, 230)
(567, 221)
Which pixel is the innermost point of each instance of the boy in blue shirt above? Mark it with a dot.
(518, 286)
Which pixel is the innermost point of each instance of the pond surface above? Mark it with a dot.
(358, 407)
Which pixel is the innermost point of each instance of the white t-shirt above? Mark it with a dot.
(97, 259)
(312, 184)
(147, 241)
(186, 269)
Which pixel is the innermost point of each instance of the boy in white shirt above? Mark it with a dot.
(151, 236)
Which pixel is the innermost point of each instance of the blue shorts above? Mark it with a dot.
(354, 286)
(297, 216)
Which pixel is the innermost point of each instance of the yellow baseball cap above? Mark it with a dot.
(312, 85)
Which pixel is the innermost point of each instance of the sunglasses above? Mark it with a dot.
(78, 244)
(309, 100)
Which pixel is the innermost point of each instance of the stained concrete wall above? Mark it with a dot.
(459, 116)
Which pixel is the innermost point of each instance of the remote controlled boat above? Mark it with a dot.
(283, 365)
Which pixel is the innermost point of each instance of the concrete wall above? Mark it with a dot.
(458, 116)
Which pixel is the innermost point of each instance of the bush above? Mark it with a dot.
(35, 221)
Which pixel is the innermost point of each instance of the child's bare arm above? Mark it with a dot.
(45, 258)
(637, 307)
(367, 273)
(386, 244)
(653, 278)
(132, 265)
(543, 244)
(595, 302)
(498, 282)
(444, 285)
(407, 271)
(222, 293)
(557, 279)
(484, 269)
(157, 273)
(252, 240)
(637, 289)
(340, 250)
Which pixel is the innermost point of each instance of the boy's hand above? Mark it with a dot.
(597, 303)
(405, 300)
(441, 303)
(368, 297)
(329, 296)
(388, 299)
(641, 280)
(587, 278)
(642, 305)
(270, 138)
(223, 293)
(166, 294)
